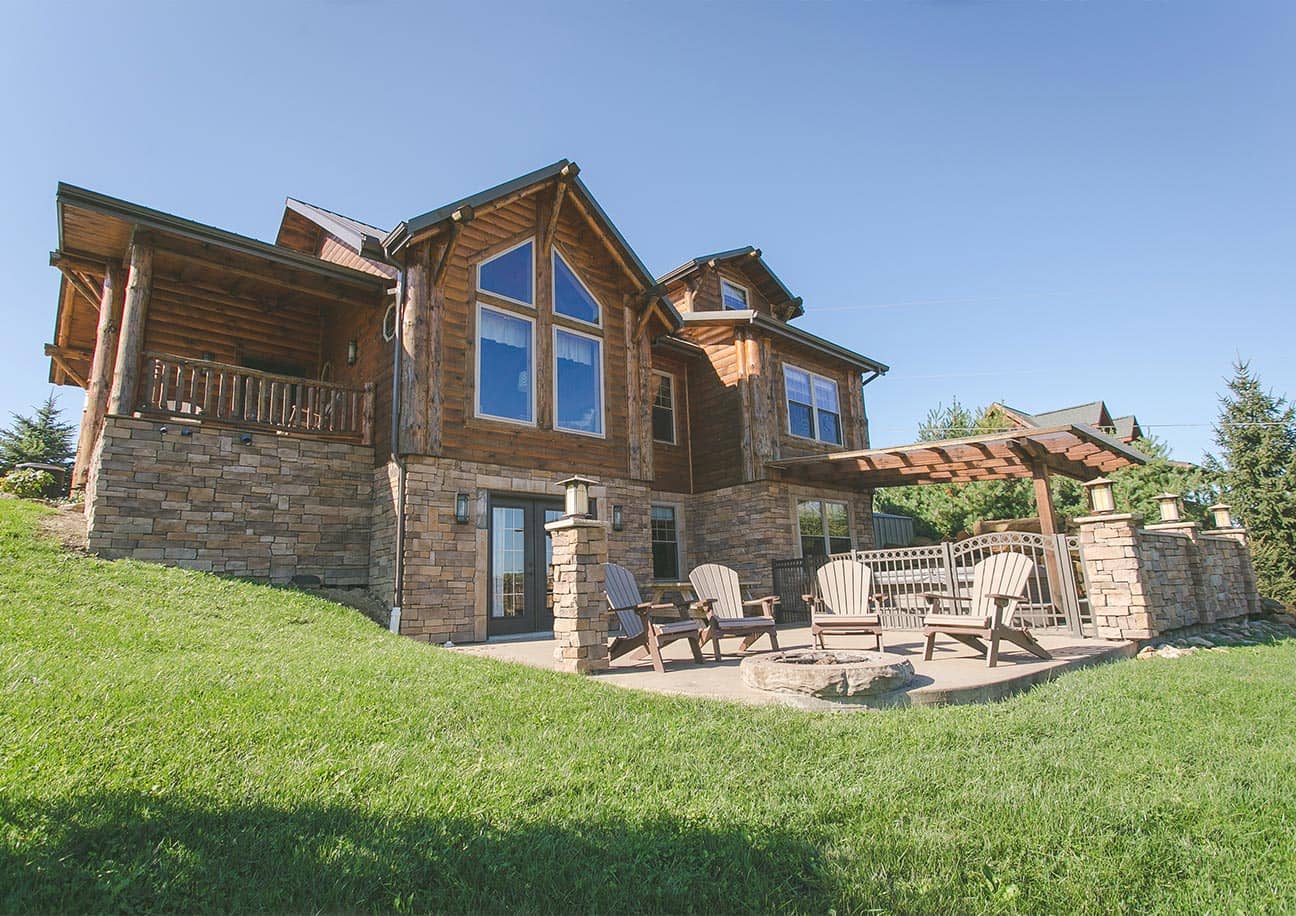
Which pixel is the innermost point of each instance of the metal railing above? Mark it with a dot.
(209, 390)
(1055, 594)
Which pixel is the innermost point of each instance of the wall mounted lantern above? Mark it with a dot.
(577, 496)
(461, 508)
(353, 350)
(1101, 499)
(618, 521)
(1223, 514)
(246, 438)
(1170, 506)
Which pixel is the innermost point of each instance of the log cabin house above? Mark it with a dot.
(394, 410)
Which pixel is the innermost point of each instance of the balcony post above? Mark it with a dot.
(101, 369)
(130, 345)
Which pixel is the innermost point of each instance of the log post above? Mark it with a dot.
(415, 353)
(101, 373)
(130, 345)
(367, 414)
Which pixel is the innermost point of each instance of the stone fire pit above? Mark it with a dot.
(827, 674)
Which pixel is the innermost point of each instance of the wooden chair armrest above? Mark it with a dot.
(999, 597)
(768, 599)
(944, 596)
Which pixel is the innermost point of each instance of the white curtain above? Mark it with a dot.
(574, 349)
(505, 329)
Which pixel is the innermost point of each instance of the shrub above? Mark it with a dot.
(29, 484)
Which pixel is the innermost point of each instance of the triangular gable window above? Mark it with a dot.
(509, 274)
(571, 296)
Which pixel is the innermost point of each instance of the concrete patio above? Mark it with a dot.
(954, 675)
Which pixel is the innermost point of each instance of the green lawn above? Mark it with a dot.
(170, 740)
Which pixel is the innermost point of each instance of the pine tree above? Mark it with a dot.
(42, 437)
(1256, 469)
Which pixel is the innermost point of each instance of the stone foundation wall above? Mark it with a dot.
(750, 525)
(446, 581)
(1143, 582)
(277, 507)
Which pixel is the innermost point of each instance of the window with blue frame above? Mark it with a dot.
(505, 365)
(813, 408)
(510, 274)
(571, 297)
(578, 382)
(732, 295)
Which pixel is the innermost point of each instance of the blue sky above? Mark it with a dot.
(1043, 202)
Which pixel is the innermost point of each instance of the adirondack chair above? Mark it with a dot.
(840, 603)
(639, 632)
(720, 594)
(998, 586)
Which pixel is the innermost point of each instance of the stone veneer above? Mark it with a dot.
(580, 548)
(280, 506)
(750, 525)
(1143, 582)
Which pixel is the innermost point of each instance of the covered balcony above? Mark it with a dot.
(164, 317)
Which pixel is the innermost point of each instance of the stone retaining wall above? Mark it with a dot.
(1143, 582)
(277, 507)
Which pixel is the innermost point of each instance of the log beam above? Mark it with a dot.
(79, 283)
(130, 343)
(569, 172)
(415, 357)
(101, 371)
(596, 225)
(62, 359)
(458, 220)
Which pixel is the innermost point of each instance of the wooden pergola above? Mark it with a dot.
(1078, 452)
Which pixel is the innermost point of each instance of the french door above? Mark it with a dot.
(520, 598)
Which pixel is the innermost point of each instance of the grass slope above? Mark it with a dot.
(171, 740)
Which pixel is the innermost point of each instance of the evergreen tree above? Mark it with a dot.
(1256, 469)
(42, 437)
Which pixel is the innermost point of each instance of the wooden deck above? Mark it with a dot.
(954, 675)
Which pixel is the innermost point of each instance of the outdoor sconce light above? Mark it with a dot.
(186, 431)
(577, 504)
(1101, 499)
(353, 350)
(246, 438)
(461, 508)
(163, 430)
(1223, 514)
(617, 521)
(1170, 507)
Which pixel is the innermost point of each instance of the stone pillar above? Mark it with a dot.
(1117, 594)
(1206, 607)
(580, 548)
(1254, 605)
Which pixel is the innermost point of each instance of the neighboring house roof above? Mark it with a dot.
(1093, 414)
(364, 238)
(787, 331)
(750, 260)
(408, 229)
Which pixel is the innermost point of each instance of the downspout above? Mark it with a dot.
(398, 564)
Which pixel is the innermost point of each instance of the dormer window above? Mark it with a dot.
(571, 297)
(733, 296)
(509, 274)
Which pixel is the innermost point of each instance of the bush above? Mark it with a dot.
(29, 484)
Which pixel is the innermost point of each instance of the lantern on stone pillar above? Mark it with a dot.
(1171, 507)
(577, 496)
(1223, 515)
(1102, 501)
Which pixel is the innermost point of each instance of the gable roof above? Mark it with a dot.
(1091, 414)
(788, 332)
(753, 264)
(410, 229)
(364, 238)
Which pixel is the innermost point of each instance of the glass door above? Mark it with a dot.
(521, 593)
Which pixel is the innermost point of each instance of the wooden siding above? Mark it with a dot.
(373, 362)
(672, 462)
(715, 411)
(853, 422)
(468, 437)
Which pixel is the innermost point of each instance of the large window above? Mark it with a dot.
(571, 297)
(732, 295)
(665, 544)
(510, 274)
(505, 365)
(663, 411)
(578, 382)
(812, 405)
(824, 526)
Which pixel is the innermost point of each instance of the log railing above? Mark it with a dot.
(208, 390)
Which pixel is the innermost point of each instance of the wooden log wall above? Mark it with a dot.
(672, 468)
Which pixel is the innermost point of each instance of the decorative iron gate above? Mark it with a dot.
(1055, 597)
